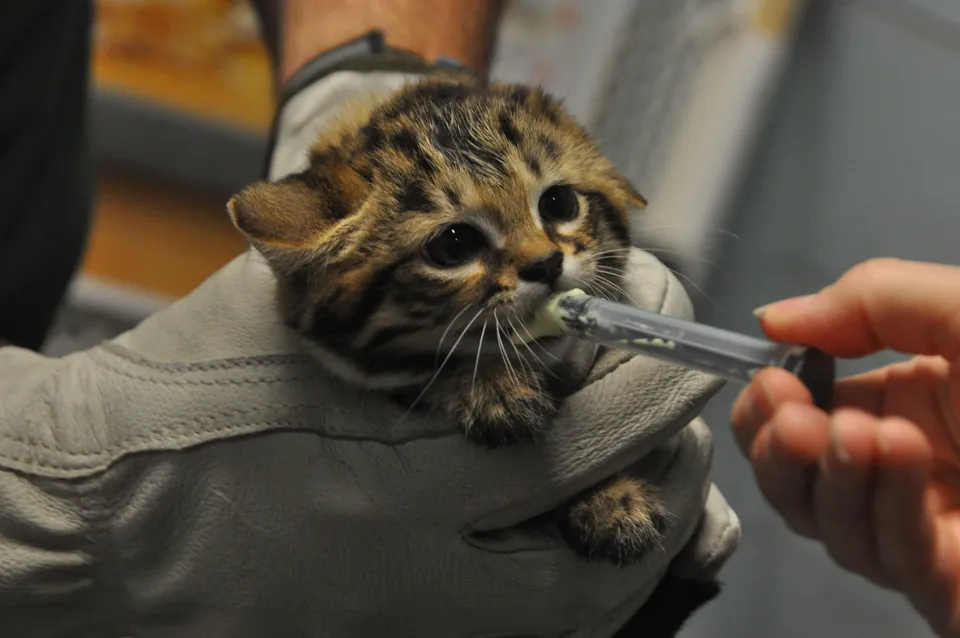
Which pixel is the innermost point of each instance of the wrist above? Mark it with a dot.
(461, 30)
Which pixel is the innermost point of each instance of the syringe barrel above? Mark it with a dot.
(727, 354)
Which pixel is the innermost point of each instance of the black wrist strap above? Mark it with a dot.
(368, 53)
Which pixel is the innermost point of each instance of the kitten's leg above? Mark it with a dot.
(668, 608)
(619, 521)
(501, 405)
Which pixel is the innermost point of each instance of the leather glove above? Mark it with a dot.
(201, 476)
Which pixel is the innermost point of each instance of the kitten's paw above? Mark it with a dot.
(500, 413)
(621, 521)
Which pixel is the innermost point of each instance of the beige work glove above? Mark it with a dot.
(202, 476)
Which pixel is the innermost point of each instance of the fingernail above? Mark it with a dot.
(837, 444)
(793, 303)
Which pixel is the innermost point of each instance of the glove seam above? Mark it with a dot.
(86, 463)
(259, 380)
(716, 547)
(708, 563)
(301, 425)
(212, 365)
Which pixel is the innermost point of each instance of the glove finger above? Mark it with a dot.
(715, 540)
(679, 472)
(602, 430)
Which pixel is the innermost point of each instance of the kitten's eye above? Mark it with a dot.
(558, 204)
(456, 245)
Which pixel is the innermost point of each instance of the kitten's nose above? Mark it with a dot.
(545, 270)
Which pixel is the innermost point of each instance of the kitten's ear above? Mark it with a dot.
(633, 203)
(297, 211)
(634, 198)
(286, 214)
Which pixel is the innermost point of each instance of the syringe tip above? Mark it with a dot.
(546, 321)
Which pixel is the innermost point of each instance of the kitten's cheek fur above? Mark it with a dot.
(573, 275)
(528, 297)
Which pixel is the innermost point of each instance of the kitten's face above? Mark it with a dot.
(446, 206)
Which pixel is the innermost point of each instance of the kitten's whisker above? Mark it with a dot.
(503, 352)
(613, 251)
(617, 288)
(613, 285)
(619, 270)
(668, 251)
(690, 281)
(720, 231)
(537, 343)
(523, 362)
(449, 326)
(476, 365)
(605, 292)
(592, 288)
(440, 369)
(616, 272)
(530, 350)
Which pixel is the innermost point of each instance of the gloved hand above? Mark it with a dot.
(202, 476)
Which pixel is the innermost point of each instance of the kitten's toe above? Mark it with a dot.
(509, 418)
(619, 522)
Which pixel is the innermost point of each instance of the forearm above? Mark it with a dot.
(460, 29)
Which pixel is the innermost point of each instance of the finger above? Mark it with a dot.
(864, 391)
(785, 455)
(903, 529)
(769, 389)
(842, 494)
(880, 304)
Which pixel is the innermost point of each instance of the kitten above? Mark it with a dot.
(443, 215)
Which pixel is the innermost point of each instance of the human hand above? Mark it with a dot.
(877, 480)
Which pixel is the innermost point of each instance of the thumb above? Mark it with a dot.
(907, 306)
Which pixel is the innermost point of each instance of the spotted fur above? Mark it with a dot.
(353, 241)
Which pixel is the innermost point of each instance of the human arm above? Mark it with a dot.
(876, 480)
(298, 30)
(45, 176)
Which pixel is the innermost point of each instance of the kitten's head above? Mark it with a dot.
(446, 203)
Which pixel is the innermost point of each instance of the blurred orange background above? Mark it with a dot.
(199, 57)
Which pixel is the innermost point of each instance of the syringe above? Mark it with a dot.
(727, 354)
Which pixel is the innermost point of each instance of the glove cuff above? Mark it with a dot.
(367, 55)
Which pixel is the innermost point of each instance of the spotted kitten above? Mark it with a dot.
(428, 226)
